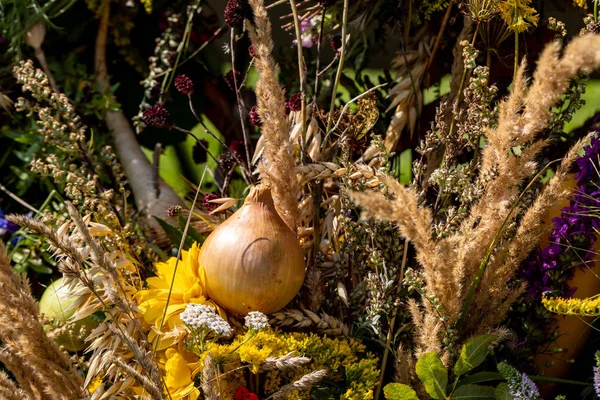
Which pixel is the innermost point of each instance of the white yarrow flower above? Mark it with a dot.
(203, 317)
(257, 321)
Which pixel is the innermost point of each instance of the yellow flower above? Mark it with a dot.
(188, 287)
(179, 368)
(179, 374)
(584, 307)
(580, 3)
(95, 384)
(518, 15)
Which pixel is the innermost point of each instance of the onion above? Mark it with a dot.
(253, 261)
(58, 304)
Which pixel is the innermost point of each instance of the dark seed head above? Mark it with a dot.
(184, 84)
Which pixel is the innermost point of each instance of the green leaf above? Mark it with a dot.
(398, 391)
(433, 374)
(173, 233)
(501, 392)
(479, 377)
(40, 268)
(473, 353)
(474, 392)
(192, 232)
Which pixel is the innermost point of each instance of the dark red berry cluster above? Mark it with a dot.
(184, 84)
(294, 103)
(235, 12)
(157, 116)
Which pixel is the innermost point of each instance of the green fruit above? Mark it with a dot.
(57, 305)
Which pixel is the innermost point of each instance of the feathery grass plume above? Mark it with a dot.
(509, 257)
(103, 280)
(9, 390)
(302, 384)
(41, 369)
(278, 168)
(453, 266)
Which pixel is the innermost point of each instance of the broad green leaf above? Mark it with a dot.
(433, 374)
(484, 376)
(474, 392)
(398, 391)
(473, 353)
(501, 392)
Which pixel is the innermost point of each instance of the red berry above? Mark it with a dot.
(241, 392)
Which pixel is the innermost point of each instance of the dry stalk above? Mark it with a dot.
(452, 265)
(278, 167)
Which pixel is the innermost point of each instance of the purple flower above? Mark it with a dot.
(526, 390)
(7, 227)
(597, 381)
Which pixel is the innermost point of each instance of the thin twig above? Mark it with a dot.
(438, 38)
(338, 74)
(301, 66)
(240, 103)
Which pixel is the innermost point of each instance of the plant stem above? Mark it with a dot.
(596, 10)
(338, 74)
(301, 67)
(438, 38)
(316, 93)
(516, 67)
(240, 103)
(388, 339)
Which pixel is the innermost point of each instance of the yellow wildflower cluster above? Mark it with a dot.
(589, 307)
(518, 15)
(344, 359)
(580, 3)
(186, 285)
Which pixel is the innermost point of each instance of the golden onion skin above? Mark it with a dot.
(253, 261)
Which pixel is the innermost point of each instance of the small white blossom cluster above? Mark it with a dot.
(257, 321)
(202, 317)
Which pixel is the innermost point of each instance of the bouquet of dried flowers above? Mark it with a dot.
(335, 237)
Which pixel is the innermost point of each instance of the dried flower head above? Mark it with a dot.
(206, 201)
(228, 160)
(254, 117)
(294, 103)
(235, 12)
(35, 36)
(202, 317)
(230, 81)
(174, 212)
(184, 84)
(257, 321)
(482, 10)
(157, 116)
